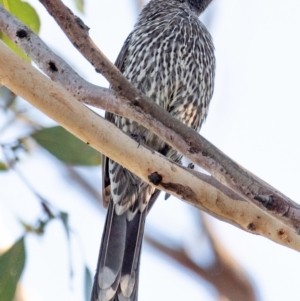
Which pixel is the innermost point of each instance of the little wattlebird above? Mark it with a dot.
(169, 56)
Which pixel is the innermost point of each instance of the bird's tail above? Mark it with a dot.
(117, 272)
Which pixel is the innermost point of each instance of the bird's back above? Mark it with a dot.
(169, 57)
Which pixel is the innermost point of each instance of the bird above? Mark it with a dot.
(168, 56)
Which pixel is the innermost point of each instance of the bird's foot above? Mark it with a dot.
(140, 139)
(191, 166)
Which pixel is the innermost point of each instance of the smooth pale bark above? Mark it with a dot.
(197, 189)
(129, 102)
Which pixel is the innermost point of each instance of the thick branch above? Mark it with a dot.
(179, 136)
(197, 189)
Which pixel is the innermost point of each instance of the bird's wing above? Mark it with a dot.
(120, 64)
(121, 59)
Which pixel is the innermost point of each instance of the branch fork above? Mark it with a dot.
(232, 193)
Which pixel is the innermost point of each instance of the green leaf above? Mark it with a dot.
(26, 226)
(39, 229)
(11, 266)
(66, 147)
(87, 283)
(79, 5)
(3, 166)
(14, 47)
(64, 216)
(25, 13)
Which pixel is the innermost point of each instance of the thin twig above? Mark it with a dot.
(224, 273)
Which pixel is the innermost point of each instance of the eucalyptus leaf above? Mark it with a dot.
(66, 147)
(3, 166)
(12, 263)
(64, 216)
(79, 5)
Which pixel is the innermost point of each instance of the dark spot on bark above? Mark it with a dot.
(185, 192)
(75, 45)
(88, 143)
(251, 227)
(155, 178)
(52, 66)
(281, 233)
(21, 33)
(204, 154)
(97, 70)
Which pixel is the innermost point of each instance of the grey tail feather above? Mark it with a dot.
(111, 250)
(121, 239)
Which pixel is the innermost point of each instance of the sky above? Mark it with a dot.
(253, 118)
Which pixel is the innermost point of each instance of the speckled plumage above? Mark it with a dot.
(169, 56)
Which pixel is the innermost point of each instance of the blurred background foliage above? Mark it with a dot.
(29, 133)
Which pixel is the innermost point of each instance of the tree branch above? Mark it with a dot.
(176, 134)
(199, 190)
(140, 4)
(224, 273)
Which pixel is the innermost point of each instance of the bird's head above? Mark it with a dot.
(198, 6)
